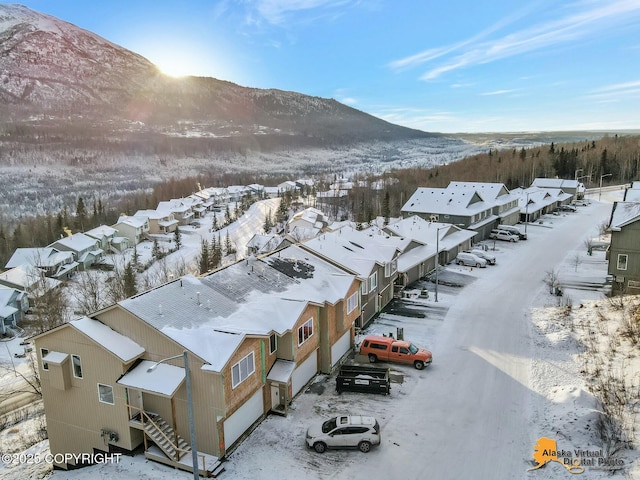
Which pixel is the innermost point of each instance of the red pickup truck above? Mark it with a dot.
(388, 349)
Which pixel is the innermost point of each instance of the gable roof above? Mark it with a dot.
(623, 214)
(490, 191)
(354, 250)
(77, 242)
(121, 346)
(212, 315)
(40, 257)
(555, 183)
(132, 221)
(446, 201)
(101, 231)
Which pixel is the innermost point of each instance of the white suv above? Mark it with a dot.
(470, 260)
(344, 431)
(503, 235)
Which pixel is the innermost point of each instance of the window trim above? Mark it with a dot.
(352, 299)
(373, 281)
(619, 263)
(43, 353)
(73, 366)
(364, 287)
(248, 367)
(100, 394)
(303, 330)
(273, 343)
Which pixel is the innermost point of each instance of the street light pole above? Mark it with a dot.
(600, 189)
(192, 425)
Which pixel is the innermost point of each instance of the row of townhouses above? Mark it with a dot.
(30, 271)
(255, 333)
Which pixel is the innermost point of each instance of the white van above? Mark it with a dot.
(513, 230)
(470, 260)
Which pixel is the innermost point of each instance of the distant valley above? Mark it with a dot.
(80, 116)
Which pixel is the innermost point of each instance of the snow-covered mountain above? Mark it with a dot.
(52, 69)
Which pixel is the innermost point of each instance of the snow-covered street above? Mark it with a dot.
(497, 384)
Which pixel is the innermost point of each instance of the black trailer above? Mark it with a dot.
(354, 378)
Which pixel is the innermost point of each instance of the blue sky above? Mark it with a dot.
(455, 66)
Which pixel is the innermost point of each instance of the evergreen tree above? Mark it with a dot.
(386, 207)
(155, 250)
(204, 257)
(81, 214)
(267, 222)
(135, 258)
(228, 246)
(177, 238)
(227, 215)
(129, 281)
(214, 224)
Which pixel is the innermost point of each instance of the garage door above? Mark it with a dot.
(341, 347)
(242, 419)
(305, 372)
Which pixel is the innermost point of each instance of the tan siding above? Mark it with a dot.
(75, 417)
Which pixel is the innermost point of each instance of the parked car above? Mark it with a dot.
(344, 431)
(491, 259)
(580, 203)
(567, 208)
(503, 235)
(470, 260)
(513, 230)
(388, 349)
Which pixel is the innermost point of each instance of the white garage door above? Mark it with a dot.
(304, 372)
(243, 418)
(340, 347)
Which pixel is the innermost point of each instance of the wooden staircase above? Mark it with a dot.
(163, 435)
(175, 448)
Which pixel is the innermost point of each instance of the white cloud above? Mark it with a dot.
(498, 92)
(593, 20)
(277, 11)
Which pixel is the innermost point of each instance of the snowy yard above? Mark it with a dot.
(512, 363)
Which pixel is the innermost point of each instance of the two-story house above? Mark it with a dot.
(85, 249)
(13, 305)
(54, 262)
(160, 222)
(624, 251)
(133, 228)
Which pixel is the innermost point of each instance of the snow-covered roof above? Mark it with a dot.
(446, 201)
(281, 371)
(316, 280)
(39, 257)
(159, 378)
(173, 206)
(496, 192)
(133, 221)
(25, 276)
(7, 294)
(210, 316)
(77, 242)
(623, 214)
(55, 357)
(357, 251)
(555, 183)
(121, 346)
(632, 194)
(101, 231)
(154, 214)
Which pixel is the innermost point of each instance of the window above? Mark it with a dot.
(273, 343)
(105, 394)
(373, 282)
(394, 266)
(305, 331)
(622, 261)
(43, 353)
(241, 370)
(77, 366)
(352, 303)
(363, 288)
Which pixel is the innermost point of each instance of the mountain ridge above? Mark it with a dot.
(53, 68)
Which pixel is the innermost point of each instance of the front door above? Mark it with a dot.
(275, 396)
